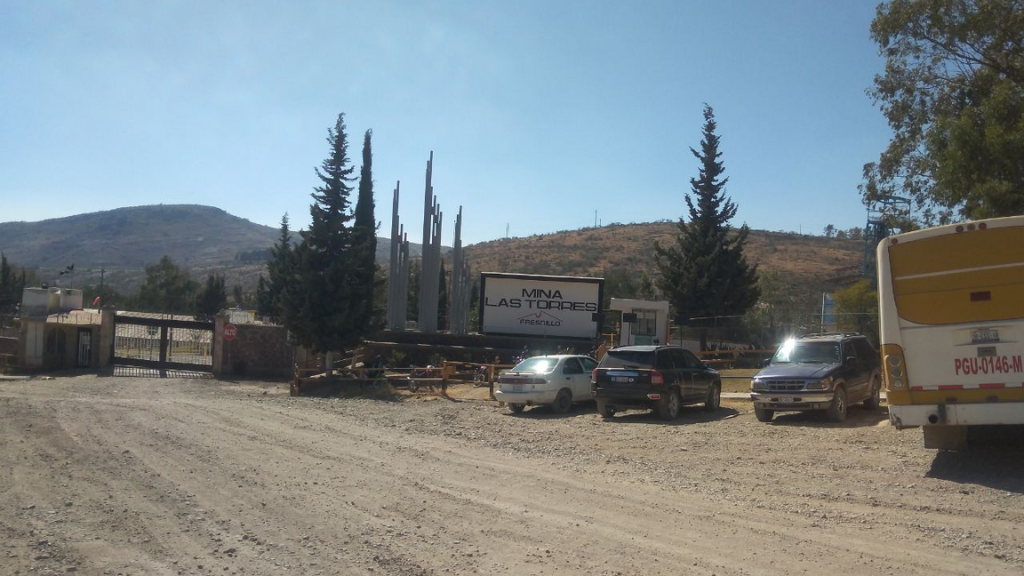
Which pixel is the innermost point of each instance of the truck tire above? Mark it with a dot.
(605, 409)
(668, 405)
(764, 414)
(836, 411)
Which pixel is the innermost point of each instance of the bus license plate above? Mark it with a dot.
(983, 335)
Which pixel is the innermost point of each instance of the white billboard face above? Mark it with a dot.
(540, 307)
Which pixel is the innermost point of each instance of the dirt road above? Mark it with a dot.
(148, 476)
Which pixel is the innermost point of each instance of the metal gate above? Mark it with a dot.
(162, 343)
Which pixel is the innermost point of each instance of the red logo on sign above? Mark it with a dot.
(230, 332)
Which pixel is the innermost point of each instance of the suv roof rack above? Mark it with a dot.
(824, 334)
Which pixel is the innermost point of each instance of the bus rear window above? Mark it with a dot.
(976, 276)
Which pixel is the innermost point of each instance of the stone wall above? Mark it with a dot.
(258, 352)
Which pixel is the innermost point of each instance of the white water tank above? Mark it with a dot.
(70, 299)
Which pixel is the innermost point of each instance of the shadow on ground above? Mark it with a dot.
(856, 417)
(687, 415)
(994, 458)
(136, 372)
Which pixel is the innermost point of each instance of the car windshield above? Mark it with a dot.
(628, 359)
(810, 352)
(538, 365)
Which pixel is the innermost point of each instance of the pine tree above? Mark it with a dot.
(319, 300)
(263, 302)
(212, 298)
(365, 239)
(705, 275)
(280, 270)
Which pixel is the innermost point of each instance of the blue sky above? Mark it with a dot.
(538, 112)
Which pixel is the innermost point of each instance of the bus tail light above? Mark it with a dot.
(894, 366)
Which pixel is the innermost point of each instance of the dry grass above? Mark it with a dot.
(813, 261)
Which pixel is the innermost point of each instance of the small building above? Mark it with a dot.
(644, 322)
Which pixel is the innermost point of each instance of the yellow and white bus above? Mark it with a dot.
(951, 310)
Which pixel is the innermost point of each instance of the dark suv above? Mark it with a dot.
(661, 378)
(818, 372)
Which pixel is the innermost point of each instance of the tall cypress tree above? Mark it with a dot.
(365, 241)
(704, 273)
(319, 301)
(280, 270)
(8, 289)
(263, 305)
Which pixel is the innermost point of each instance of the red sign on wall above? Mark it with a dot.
(230, 331)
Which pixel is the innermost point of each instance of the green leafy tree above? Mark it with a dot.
(704, 274)
(365, 240)
(167, 288)
(242, 299)
(780, 311)
(212, 298)
(953, 93)
(857, 309)
(646, 290)
(324, 298)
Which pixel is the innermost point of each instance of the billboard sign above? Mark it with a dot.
(547, 306)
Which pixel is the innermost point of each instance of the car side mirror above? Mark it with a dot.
(766, 362)
(850, 361)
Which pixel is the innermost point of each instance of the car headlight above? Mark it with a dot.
(757, 385)
(823, 384)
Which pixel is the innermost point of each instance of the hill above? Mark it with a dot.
(209, 240)
(812, 262)
(193, 236)
(126, 240)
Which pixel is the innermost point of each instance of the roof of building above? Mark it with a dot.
(86, 317)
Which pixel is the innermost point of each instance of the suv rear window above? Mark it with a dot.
(627, 359)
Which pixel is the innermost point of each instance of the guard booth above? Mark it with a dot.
(644, 322)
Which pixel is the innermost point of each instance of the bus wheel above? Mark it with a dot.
(837, 411)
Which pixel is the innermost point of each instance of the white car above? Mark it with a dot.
(557, 380)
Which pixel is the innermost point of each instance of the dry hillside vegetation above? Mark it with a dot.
(600, 251)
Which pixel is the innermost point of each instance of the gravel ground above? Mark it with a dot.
(148, 476)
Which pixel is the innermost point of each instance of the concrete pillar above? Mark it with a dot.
(218, 345)
(105, 342)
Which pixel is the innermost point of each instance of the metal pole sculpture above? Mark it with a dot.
(403, 282)
(430, 263)
(395, 322)
(460, 287)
